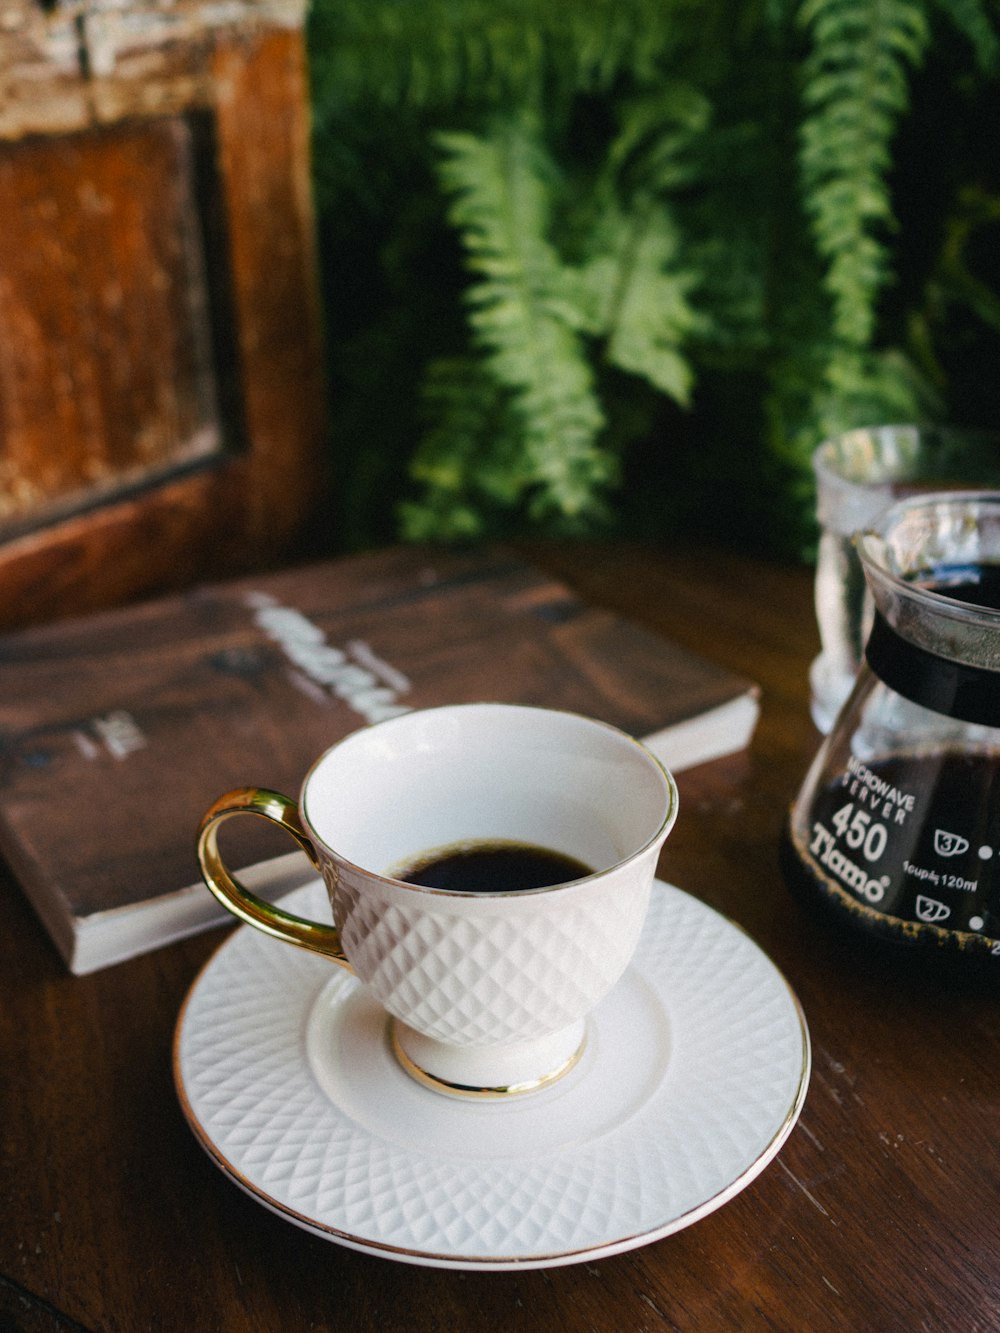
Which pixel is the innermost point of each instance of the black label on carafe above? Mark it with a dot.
(914, 838)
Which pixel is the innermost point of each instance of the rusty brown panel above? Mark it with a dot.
(262, 131)
(169, 538)
(105, 355)
(237, 513)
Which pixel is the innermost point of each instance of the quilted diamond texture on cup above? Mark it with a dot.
(483, 978)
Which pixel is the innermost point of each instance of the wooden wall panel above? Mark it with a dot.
(263, 156)
(105, 349)
(161, 391)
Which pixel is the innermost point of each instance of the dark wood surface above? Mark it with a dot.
(881, 1212)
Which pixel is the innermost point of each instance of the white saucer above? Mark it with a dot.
(694, 1073)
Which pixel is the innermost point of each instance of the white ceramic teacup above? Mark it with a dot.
(489, 992)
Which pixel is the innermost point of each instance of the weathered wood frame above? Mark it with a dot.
(93, 66)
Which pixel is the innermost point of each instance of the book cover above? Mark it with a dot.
(118, 730)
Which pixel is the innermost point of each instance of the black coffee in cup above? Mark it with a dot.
(492, 866)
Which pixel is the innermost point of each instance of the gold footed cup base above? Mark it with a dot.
(487, 1072)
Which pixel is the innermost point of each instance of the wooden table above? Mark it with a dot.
(881, 1212)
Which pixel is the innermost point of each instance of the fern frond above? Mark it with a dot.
(973, 19)
(878, 386)
(434, 55)
(636, 279)
(653, 137)
(639, 291)
(822, 391)
(464, 455)
(855, 89)
(524, 311)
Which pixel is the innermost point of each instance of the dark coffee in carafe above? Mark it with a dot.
(897, 826)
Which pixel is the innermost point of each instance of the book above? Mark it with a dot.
(119, 729)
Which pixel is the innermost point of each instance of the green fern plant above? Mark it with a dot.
(575, 233)
(525, 315)
(545, 326)
(855, 89)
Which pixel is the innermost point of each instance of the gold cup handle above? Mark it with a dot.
(240, 901)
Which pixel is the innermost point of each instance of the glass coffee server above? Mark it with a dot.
(896, 829)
